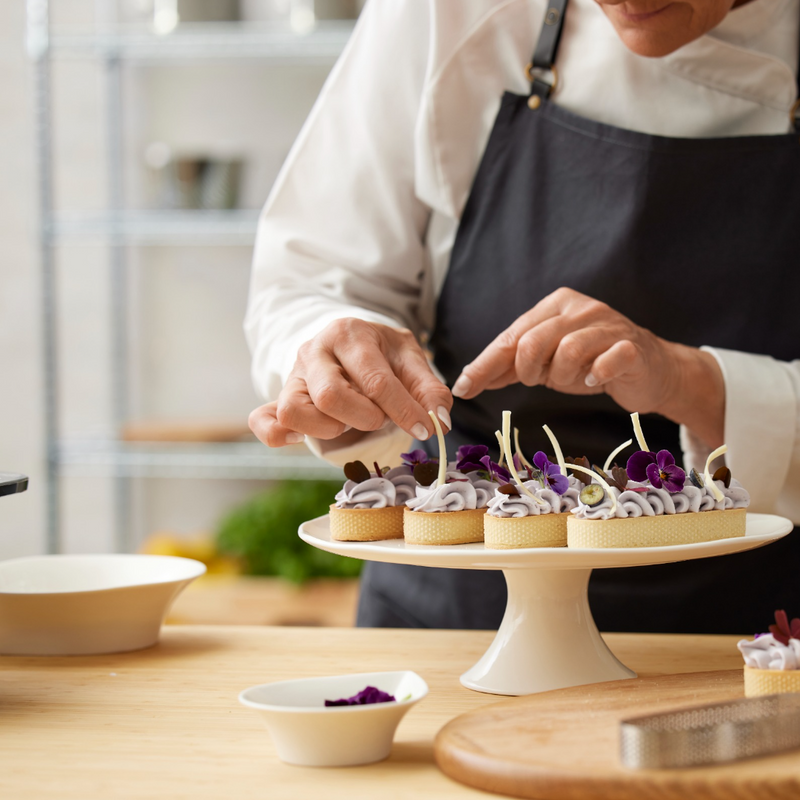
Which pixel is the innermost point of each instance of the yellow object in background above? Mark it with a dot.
(200, 547)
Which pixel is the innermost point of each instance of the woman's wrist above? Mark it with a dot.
(698, 397)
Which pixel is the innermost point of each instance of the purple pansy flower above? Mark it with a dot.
(416, 457)
(468, 457)
(638, 463)
(551, 475)
(524, 469)
(494, 472)
(658, 468)
(366, 696)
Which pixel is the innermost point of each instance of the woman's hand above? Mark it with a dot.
(359, 375)
(575, 344)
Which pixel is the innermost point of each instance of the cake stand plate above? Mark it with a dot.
(548, 638)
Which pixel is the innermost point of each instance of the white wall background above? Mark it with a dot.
(188, 353)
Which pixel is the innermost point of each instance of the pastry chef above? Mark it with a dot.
(611, 228)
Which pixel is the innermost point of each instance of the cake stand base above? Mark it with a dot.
(547, 639)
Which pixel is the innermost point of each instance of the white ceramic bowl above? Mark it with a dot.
(308, 733)
(80, 605)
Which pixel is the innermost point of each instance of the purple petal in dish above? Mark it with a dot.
(637, 465)
(366, 696)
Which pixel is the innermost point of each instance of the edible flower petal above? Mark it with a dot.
(783, 630)
(551, 475)
(582, 461)
(365, 697)
(469, 456)
(665, 474)
(494, 472)
(416, 457)
(638, 463)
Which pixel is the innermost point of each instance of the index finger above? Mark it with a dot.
(495, 363)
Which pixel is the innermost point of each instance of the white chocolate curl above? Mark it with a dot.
(442, 449)
(637, 429)
(609, 493)
(557, 447)
(610, 459)
(712, 485)
(509, 458)
(522, 460)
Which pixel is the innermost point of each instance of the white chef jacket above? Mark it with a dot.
(362, 218)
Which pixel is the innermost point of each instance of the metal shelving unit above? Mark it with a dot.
(118, 229)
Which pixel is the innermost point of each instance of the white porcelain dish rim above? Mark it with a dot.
(191, 569)
(366, 676)
(761, 529)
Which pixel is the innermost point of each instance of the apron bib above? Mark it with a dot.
(696, 240)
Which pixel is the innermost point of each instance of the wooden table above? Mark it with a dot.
(166, 723)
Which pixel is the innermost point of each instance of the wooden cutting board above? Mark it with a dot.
(564, 745)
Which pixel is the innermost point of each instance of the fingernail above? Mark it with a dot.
(462, 386)
(420, 432)
(441, 412)
(347, 428)
(294, 438)
(591, 380)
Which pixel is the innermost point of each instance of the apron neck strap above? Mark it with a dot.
(544, 56)
(794, 114)
(544, 59)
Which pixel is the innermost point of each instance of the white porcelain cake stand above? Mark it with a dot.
(548, 638)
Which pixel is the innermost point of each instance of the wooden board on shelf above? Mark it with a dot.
(564, 745)
(193, 431)
(252, 600)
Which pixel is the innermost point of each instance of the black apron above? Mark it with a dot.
(697, 240)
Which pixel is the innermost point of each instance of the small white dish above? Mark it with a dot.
(85, 605)
(309, 734)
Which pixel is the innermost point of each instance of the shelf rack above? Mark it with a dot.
(235, 227)
(118, 228)
(273, 42)
(242, 460)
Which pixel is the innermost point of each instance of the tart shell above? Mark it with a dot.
(366, 524)
(667, 529)
(543, 530)
(443, 527)
(758, 682)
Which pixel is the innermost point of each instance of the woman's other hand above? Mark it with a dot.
(575, 344)
(354, 374)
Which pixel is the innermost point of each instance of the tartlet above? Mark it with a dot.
(445, 509)
(530, 513)
(651, 503)
(369, 507)
(772, 660)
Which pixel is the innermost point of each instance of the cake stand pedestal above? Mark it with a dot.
(548, 638)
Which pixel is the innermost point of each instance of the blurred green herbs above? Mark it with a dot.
(263, 533)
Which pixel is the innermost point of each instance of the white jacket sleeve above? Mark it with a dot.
(762, 430)
(341, 234)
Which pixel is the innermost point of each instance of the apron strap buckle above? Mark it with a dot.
(540, 89)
